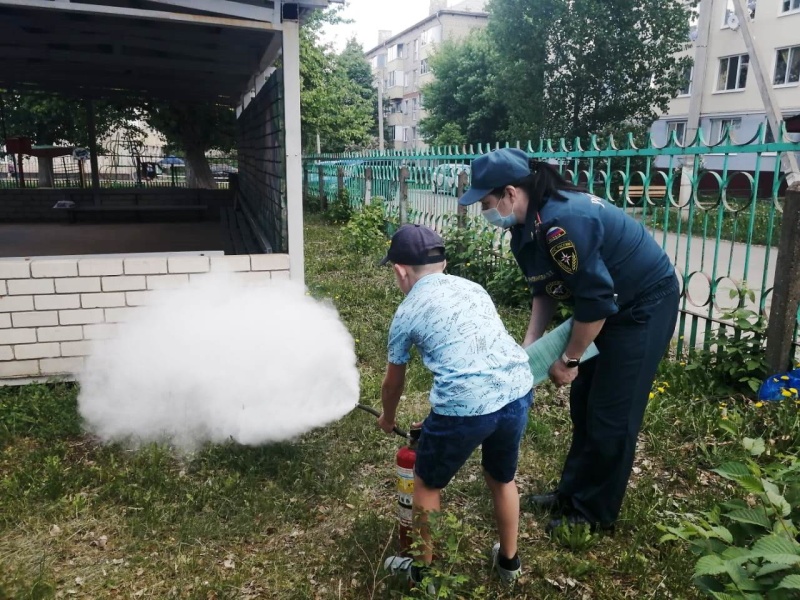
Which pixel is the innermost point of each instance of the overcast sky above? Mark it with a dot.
(369, 16)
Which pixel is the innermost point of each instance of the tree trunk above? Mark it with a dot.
(198, 171)
(46, 175)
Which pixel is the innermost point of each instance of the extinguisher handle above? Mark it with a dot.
(374, 412)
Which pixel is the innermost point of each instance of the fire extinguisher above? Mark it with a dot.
(406, 457)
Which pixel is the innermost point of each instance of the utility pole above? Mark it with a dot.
(774, 116)
(698, 86)
(380, 113)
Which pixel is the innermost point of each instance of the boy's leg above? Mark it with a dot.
(426, 500)
(506, 512)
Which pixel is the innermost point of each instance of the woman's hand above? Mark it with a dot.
(561, 374)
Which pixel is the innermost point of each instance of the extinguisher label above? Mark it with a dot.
(405, 487)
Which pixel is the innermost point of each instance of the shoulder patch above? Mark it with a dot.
(557, 290)
(555, 233)
(565, 256)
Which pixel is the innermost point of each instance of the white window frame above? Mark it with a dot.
(793, 50)
(739, 64)
(681, 94)
(424, 67)
(718, 126)
(730, 10)
(674, 126)
(794, 7)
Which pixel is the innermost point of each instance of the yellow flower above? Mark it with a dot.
(660, 390)
(652, 395)
(786, 393)
(683, 364)
(467, 264)
(784, 378)
(759, 404)
(665, 384)
(357, 340)
(723, 404)
(793, 390)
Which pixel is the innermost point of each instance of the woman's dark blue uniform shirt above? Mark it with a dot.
(589, 252)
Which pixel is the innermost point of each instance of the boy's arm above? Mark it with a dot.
(392, 388)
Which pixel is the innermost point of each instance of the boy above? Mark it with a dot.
(482, 390)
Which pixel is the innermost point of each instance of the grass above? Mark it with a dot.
(314, 518)
(731, 225)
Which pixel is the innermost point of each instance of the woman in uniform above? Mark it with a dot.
(574, 247)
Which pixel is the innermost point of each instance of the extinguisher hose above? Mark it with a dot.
(374, 412)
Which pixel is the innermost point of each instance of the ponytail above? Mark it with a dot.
(543, 184)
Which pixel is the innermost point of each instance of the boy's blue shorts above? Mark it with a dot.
(447, 442)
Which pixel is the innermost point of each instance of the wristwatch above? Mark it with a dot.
(571, 363)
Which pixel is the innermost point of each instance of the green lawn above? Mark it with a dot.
(314, 518)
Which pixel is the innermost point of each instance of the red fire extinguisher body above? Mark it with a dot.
(406, 457)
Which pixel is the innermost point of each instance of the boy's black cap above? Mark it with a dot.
(411, 245)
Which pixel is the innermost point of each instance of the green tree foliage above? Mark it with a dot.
(193, 129)
(552, 68)
(463, 100)
(337, 98)
(50, 119)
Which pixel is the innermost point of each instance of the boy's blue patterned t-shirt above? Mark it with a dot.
(477, 366)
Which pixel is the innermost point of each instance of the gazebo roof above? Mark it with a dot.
(166, 49)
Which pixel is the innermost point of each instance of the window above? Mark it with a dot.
(731, 12)
(423, 67)
(395, 78)
(414, 105)
(789, 5)
(405, 108)
(722, 127)
(733, 72)
(405, 134)
(414, 134)
(432, 35)
(422, 100)
(679, 127)
(416, 49)
(414, 84)
(397, 134)
(787, 66)
(686, 90)
(392, 53)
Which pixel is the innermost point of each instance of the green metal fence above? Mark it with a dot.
(715, 208)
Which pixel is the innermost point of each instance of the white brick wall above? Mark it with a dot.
(51, 309)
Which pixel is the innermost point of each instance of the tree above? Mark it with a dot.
(194, 128)
(335, 101)
(50, 119)
(572, 68)
(462, 102)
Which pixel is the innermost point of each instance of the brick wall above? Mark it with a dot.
(36, 205)
(52, 308)
(262, 183)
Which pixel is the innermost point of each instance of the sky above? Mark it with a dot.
(369, 16)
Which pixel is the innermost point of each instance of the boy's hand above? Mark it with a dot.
(386, 424)
(561, 374)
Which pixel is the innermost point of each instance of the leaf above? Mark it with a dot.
(790, 582)
(770, 568)
(755, 446)
(752, 484)
(777, 549)
(749, 515)
(732, 470)
(710, 565)
(779, 502)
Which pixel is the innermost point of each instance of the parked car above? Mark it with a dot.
(444, 177)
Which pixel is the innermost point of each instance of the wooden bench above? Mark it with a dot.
(236, 233)
(653, 192)
(198, 209)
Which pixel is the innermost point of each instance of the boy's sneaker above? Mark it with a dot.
(507, 575)
(403, 567)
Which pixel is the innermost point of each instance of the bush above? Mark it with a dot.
(364, 234)
(748, 548)
(340, 211)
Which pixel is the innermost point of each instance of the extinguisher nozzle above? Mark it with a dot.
(375, 413)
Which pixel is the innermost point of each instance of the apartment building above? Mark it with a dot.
(401, 64)
(722, 85)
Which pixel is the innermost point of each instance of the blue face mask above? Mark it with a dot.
(495, 218)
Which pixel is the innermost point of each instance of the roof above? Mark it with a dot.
(166, 49)
(434, 17)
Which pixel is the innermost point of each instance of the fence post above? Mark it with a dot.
(339, 182)
(323, 201)
(305, 185)
(462, 210)
(367, 186)
(403, 195)
(786, 288)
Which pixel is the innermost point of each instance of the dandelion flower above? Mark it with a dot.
(793, 390)
(759, 404)
(660, 390)
(652, 395)
(723, 404)
(784, 378)
(786, 393)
